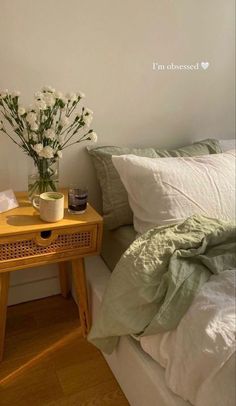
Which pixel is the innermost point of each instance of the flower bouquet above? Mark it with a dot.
(44, 130)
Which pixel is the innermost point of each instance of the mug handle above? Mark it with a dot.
(35, 202)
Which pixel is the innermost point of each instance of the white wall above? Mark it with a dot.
(106, 49)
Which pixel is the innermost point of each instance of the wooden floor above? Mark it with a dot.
(47, 362)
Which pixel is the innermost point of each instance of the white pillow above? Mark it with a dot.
(164, 191)
(227, 145)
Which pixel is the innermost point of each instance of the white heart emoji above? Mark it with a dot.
(205, 65)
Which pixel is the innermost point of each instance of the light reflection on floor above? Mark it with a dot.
(43, 354)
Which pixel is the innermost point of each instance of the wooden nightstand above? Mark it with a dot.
(27, 241)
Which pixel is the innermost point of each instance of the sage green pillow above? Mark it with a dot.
(116, 209)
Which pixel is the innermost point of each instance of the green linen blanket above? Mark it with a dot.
(158, 276)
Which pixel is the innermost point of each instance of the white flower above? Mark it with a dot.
(58, 95)
(40, 104)
(71, 97)
(88, 111)
(48, 89)
(33, 123)
(35, 137)
(50, 133)
(34, 126)
(38, 95)
(88, 120)
(31, 117)
(93, 136)
(4, 93)
(30, 108)
(21, 110)
(16, 93)
(46, 152)
(49, 99)
(81, 95)
(64, 121)
(38, 148)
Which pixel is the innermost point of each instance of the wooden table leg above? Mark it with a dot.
(81, 293)
(64, 279)
(4, 284)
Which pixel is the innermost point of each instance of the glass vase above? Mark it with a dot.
(43, 176)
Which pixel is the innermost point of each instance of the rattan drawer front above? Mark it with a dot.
(84, 241)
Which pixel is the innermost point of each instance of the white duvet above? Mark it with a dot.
(199, 356)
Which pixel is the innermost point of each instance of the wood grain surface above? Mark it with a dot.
(48, 362)
(25, 218)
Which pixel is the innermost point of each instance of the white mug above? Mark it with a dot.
(50, 206)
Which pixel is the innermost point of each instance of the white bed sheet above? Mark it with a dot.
(199, 355)
(140, 377)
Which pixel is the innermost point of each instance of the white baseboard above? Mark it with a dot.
(33, 283)
(32, 290)
(36, 283)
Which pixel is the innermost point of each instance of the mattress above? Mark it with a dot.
(115, 243)
(140, 377)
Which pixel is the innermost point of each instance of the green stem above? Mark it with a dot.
(45, 180)
(74, 132)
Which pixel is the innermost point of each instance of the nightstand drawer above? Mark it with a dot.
(83, 239)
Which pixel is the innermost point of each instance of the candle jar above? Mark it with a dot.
(77, 199)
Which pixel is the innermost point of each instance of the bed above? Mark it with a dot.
(141, 378)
